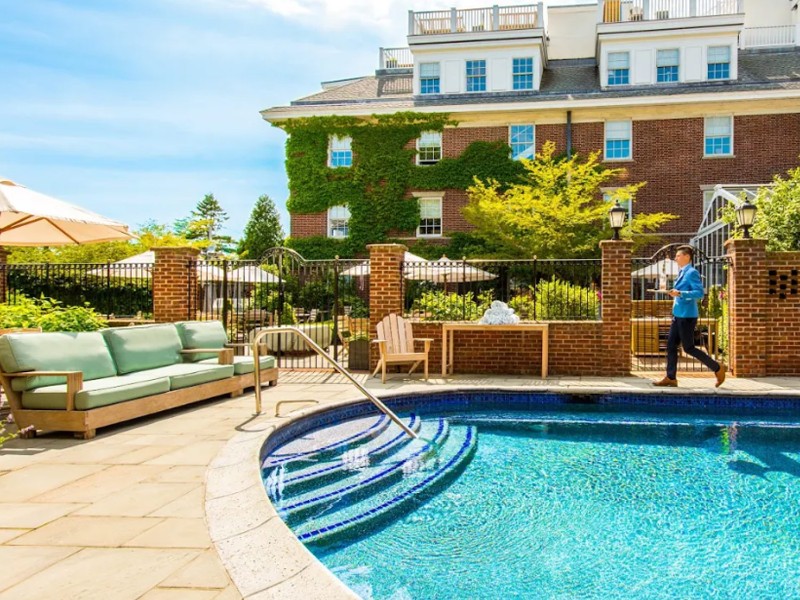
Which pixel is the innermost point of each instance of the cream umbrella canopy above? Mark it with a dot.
(29, 218)
(446, 270)
(140, 266)
(362, 269)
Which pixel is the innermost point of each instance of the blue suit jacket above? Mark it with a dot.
(690, 286)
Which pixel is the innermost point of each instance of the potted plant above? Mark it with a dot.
(358, 352)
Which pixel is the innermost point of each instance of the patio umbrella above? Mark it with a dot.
(665, 266)
(252, 274)
(29, 218)
(362, 269)
(445, 270)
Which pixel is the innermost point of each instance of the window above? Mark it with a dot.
(619, 67)
(667, 66)
(719, 62)
(719, 136)
(429, 148)
(430, 217)
(522, 139)
(523, 73)
(338, 221)
(618, 140)
(476, 75)
(429, 78)
(624, 203)
(340, 153)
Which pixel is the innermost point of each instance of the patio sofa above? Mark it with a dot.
(81, 381)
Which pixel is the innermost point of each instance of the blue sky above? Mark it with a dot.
(137, 109)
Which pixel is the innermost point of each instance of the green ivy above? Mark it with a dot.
(319, 247)
(376, 187)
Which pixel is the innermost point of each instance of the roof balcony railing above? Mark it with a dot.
(395, 58)
(771, 37)
(618, 11)
(470, 20)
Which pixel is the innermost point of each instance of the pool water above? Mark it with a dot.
(602, 509)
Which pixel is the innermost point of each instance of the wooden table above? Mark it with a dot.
(448, 329)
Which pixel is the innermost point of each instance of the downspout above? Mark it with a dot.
(569, 134)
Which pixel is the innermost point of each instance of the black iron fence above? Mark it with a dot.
(327, 299)
(112, 289)
(537, 290)
(651, 314)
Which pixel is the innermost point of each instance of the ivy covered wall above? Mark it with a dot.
(383, 172)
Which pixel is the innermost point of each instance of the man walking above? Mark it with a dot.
(687, 290)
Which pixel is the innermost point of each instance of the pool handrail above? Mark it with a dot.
(336, 367)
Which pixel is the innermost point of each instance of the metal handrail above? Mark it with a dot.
(336, 366)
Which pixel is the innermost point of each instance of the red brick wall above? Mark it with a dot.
(616, 307)
(3, 274)
(172, 280)
(385, 287)
(456, 139)
(575, 349)
(308, 225)
(783, 314)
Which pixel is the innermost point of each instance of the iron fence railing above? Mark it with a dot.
(538, 290)
(327, 299)
(112, 289)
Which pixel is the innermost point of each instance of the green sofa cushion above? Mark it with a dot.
(86, 352)
(96, 393)
(244, 364)
(201, 334)
(188, 374)
(144, 347)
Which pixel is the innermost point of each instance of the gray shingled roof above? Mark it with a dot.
(758, 70)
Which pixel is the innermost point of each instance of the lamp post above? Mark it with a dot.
(617, 217)
(745, 217)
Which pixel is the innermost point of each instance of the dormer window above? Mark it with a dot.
(340, 153)
(667, 62)
(476, 75)
(619, 67)
(523, 73)
(719, 62)
(429, 148)
(429, 78)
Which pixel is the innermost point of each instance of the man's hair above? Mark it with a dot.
(688, 250)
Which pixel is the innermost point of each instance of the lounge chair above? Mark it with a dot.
(396, 345)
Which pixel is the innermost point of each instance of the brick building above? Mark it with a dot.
(684, 94)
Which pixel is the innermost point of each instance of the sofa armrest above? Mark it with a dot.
(224, 355)
(74, 381)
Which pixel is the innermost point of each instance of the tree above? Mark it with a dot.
(205, 223)
(557, 211)
(263, 231)
(778, 216)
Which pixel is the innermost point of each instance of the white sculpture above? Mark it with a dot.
(499, 314)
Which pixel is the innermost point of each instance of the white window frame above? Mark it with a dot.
(606, 139)
(430, 161)
(438, 77)
(468, 77)
(678, 51)
(434, 198)
(729, 63)
(609, 69)
(732, 153)
(342, 147)
(533, 143)
(332, 218)
(626, 204)
(532, 73)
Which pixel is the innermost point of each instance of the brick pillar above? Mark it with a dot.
(616, 306)
(3, 274)
(174, 282)
(747, 307)
(385, 287)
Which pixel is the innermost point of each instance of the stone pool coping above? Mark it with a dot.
(262, 555)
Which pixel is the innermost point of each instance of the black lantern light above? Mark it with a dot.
(617, 216)
(746, 216)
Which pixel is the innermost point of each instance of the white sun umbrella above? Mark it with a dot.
(446, 270)
(29, 218)
(252, 274)
(665, 266)
(140, 266)
(362, 269)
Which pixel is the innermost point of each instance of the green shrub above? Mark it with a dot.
(49, 314)
(554, 299)
(444, 306)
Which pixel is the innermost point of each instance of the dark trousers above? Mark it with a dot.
(681, 333)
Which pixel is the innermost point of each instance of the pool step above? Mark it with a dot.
(338, 439)
(365, 481)
(421, 480)
(298, 477)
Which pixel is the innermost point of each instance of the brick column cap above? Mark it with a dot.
(398, 247)
(732, 244)
(618, 243)
(181, 249)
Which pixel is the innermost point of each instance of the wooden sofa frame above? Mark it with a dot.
(84, 423)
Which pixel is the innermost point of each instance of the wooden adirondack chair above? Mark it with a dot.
(396, 344)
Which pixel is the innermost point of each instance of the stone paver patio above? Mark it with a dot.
(172, 507)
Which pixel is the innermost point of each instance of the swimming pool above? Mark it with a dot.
(538, 495)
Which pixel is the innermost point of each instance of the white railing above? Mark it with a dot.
(494, 18)
(616, 11)
(396, 58)
(770, 37)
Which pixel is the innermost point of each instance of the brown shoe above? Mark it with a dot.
(666, 382)
(720, 375)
